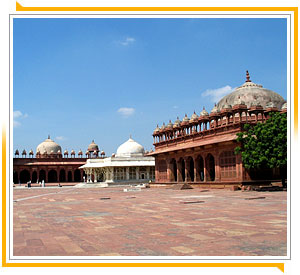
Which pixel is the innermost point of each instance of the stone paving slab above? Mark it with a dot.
(153, 222)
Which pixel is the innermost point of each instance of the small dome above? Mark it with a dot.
(47, 146)
(284, 106)
(177, 122)
(170, 125)
(156, 129)
(270, 105)
(17, 152)
(215, 110)
(93, 146)
(204, 112)
(80, 153)
(95, 152)
(52, 152)
(130, 148)
(226, 105)
(102, 153)
(255, 103)
(45, 152)
(31, 152)
(72, 152)
(194, 117)
(163, 127)
(24, 152)
(87, 152)
(113, 155)
(238, 101)
(58, 152)
(185, 119)
(66, 152)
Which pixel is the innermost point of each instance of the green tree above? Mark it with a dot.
(264, 145)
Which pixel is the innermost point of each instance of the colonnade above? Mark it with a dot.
(206, 167)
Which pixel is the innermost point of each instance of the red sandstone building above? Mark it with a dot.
(200, 149)
(50, 165)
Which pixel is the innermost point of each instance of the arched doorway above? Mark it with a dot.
(52, 176)
(190, 166)
(173, 170)
(42, 176)
(34, 177)
(15, 177)
(199, 168)
(210, 167)
(77, 176)
(62, 175)
(70, 176)
(24, 176)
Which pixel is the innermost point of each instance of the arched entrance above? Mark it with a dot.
(199, 168)
(210, 167)
(77, 176)
(34, 177)
(62, 175)
(190, 166)
(70, 176)
(42, 176)
(15, 177)
(24, 176)
(52, 176)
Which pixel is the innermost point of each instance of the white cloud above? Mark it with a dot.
(16, 123)
(60, 138)
(127, 41)
(18, 115)
(126, 112)
(217, 94)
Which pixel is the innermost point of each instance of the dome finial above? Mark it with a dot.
(48, 136)
(247, 76)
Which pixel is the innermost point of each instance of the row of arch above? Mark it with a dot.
(199, 168)
(52, 175)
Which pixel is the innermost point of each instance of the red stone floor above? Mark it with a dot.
(152, 222)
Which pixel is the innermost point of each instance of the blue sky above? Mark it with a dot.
(104, 79)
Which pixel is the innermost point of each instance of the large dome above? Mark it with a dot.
(48, 146)
(130, 148)
(250, 92)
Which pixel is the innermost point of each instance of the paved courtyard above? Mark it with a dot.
(152, 222)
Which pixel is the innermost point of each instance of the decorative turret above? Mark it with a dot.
(24, 153)
(177, 123)
(170, 125)
(17, 153)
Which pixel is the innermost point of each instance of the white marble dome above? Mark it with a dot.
(48, 146)
(130, 148)
(249, 93)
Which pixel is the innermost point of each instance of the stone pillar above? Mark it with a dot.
(95, 175)
(204, 168)
(137, 173)
(148, 172)
(217, 167)
(169, 171)
(187, 170)
(179, 167)
(127, 173)
(196, 176)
